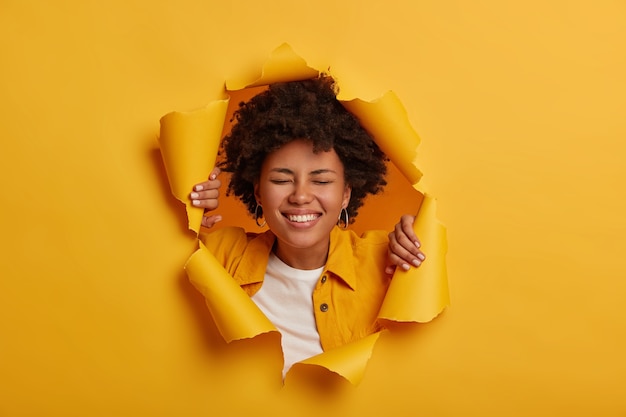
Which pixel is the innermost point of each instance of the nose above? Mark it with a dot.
(301, 193)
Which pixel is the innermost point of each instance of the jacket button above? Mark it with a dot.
(323, 279)
(324, 307)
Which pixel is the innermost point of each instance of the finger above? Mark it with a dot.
(205, 199)
(406, 223)
(210, 194)
(404, 264)
(397, 262)
(207, 185)
(209, 221)
(213, 175)
(390, 269)
(209, 205)
(399, 255)
(212, 182)
(403, 241)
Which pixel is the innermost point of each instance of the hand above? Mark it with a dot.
(205, 195)
(404, 246)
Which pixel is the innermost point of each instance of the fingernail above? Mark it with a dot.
(406, 267)
(417, 244)
(195, 202)
(421, 256)
(194, 195)
(198, 188)
(212, 177)
(416, 262)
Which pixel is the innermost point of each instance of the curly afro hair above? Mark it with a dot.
(295, 110)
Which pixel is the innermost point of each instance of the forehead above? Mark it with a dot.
(298, 155)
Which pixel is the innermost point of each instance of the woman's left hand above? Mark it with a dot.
(404, 246)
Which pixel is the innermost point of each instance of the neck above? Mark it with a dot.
(298, 258)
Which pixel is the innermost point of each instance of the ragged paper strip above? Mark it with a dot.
(386, 120)
(235, 314)
(348, 360)
(420, 294)
(283, 65)
(189, 143)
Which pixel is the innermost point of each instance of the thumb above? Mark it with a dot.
(209, 221)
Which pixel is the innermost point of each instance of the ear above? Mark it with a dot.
(347, 193)
(257, 194)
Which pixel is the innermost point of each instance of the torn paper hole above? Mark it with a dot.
(189, 143)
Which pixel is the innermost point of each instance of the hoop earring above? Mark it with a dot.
(257, 216)
(343, 218)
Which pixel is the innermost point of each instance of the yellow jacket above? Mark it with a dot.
(349, 293)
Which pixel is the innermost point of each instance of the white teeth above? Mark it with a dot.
(302, 218)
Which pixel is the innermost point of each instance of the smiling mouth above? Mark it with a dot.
(302, 218)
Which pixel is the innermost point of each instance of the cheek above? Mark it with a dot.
(270, 196)
(334, 201)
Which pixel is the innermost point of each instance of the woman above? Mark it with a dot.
(302, 164)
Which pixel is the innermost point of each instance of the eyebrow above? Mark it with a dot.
(315, 172)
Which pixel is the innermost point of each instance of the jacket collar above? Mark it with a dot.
(341, 256)
(340, 261)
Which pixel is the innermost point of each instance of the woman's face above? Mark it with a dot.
(302, 194)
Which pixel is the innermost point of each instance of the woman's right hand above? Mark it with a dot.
(205, 195)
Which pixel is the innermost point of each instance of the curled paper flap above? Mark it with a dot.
(189, 144)
(235, 314)
(349, 360)
(388, 123)
(420, 294)
(283, 65)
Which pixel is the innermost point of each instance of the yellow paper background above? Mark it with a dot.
(520, 107)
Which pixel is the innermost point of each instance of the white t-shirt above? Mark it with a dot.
(286, 298)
